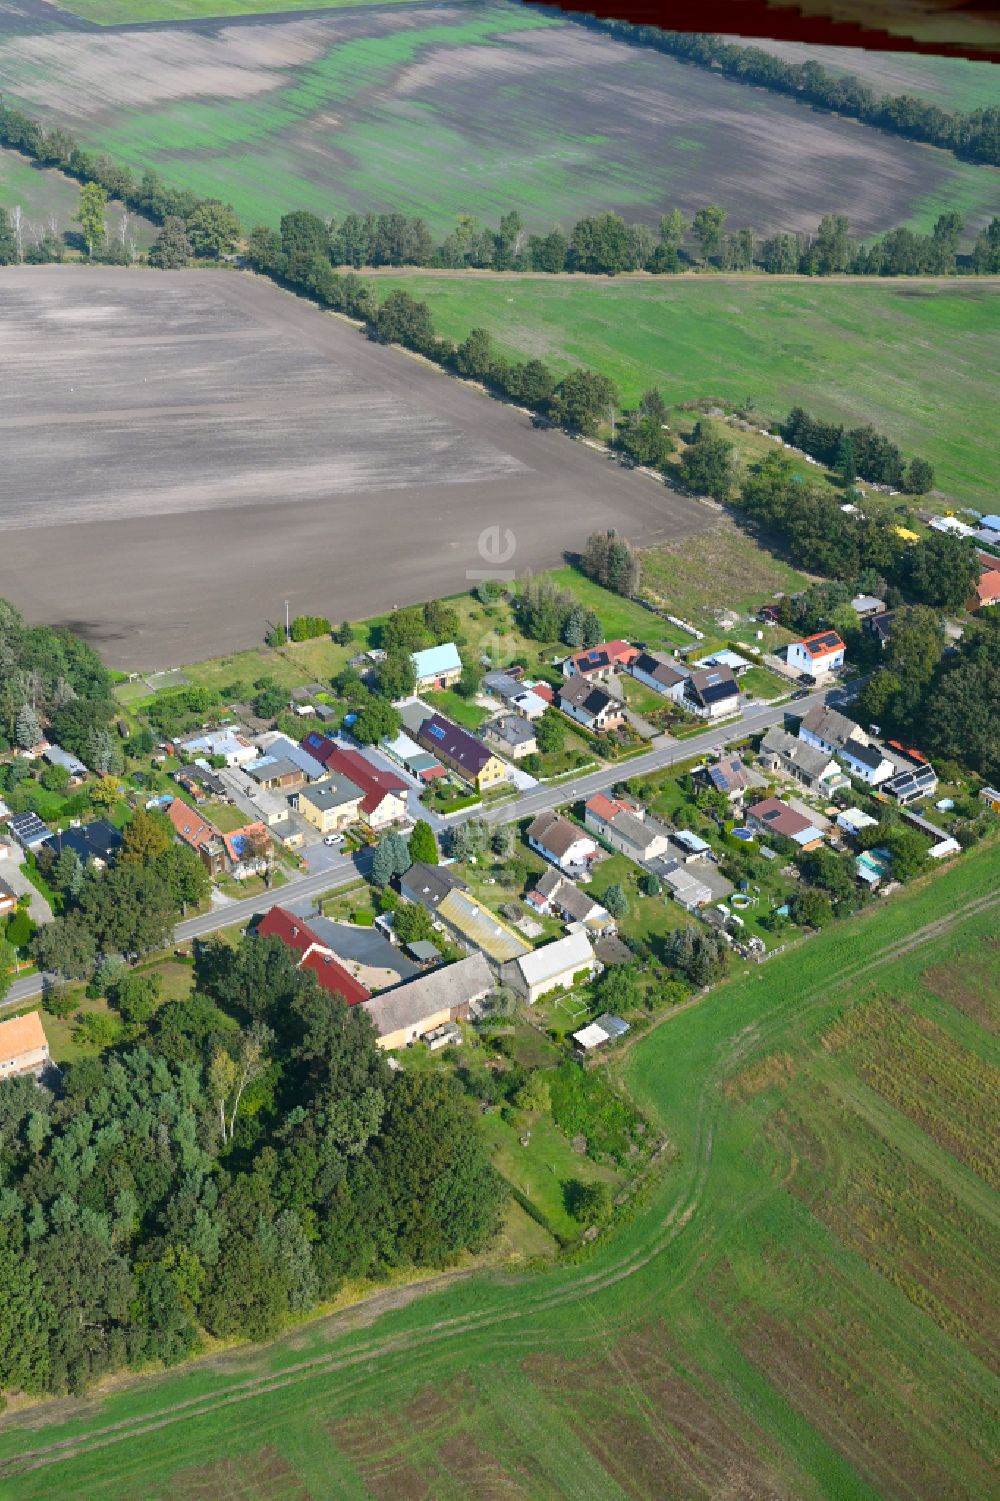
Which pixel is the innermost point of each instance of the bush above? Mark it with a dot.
(588, 1203)
(582, 1102)
(362, 919)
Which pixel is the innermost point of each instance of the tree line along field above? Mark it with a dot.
(952, 83)
(918, 361)
(442, 109)
(800, 1310)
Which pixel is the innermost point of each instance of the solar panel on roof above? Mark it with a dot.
(436, 731)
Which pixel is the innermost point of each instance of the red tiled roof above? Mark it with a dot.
(988, 587)
(371, 780)
(608, 654)
(544, 690)
(776, 815)
(823, 644)
(192, 828)
(229, 840)
(334, 977)
(296, 934)
(319, 746)
(607, 807)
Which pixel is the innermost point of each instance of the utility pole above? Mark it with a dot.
(287, 627)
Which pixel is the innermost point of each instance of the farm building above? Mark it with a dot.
(603, 1029)
(314, 955)
(475, 926)
(410, 1011)
(413, 758)
(552, 966)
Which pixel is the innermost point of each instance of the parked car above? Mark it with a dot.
(331, 839)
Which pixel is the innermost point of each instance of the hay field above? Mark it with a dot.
(800, 1312)
(440, 109)
(919, 360)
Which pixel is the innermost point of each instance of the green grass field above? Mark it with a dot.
(120, 12)
(917, 361)
(459, 109)
(798, 1310)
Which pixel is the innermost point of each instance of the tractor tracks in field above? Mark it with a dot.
(683, 1210)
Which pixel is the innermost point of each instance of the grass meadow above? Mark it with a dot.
(798, 1309)
(918, 361)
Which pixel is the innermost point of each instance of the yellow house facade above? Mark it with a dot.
(330, 805)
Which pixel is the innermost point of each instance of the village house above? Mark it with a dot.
(879, 627)
(24, 1048)
(561, 963)
(462, 753)
(8, 898)
(591, 706)
(330, 805)
(772, 816)
(384, 794)
(788, 756)
(313, 955)
(438, 667)
(817, 655)
(987, 589)
(56, 756)
(867, 606)
(94, 843)
(476, 927)
(511, 734)
(829, 730)
(599, 663)
(429, 884)
(711, 692)
(199, 835)
(247, 851)
(200, 783)
(528, 699)
(412, 1010)
(626, 828)
(562, 842)
(235, 749)
(661, 673)
(729, 776)
(554, 893)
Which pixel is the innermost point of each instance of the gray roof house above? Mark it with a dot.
(805, 763)
(429, 884)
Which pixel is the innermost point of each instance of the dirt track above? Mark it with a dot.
(186, 450)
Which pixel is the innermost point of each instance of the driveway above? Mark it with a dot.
(13, 873)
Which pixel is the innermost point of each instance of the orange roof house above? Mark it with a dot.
(24, 1048)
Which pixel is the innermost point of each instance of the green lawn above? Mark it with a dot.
(460, 709)
(919, 362)
(800, 1302)
(761, 682)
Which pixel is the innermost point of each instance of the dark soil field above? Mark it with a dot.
(440, 109)
(193, 448)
